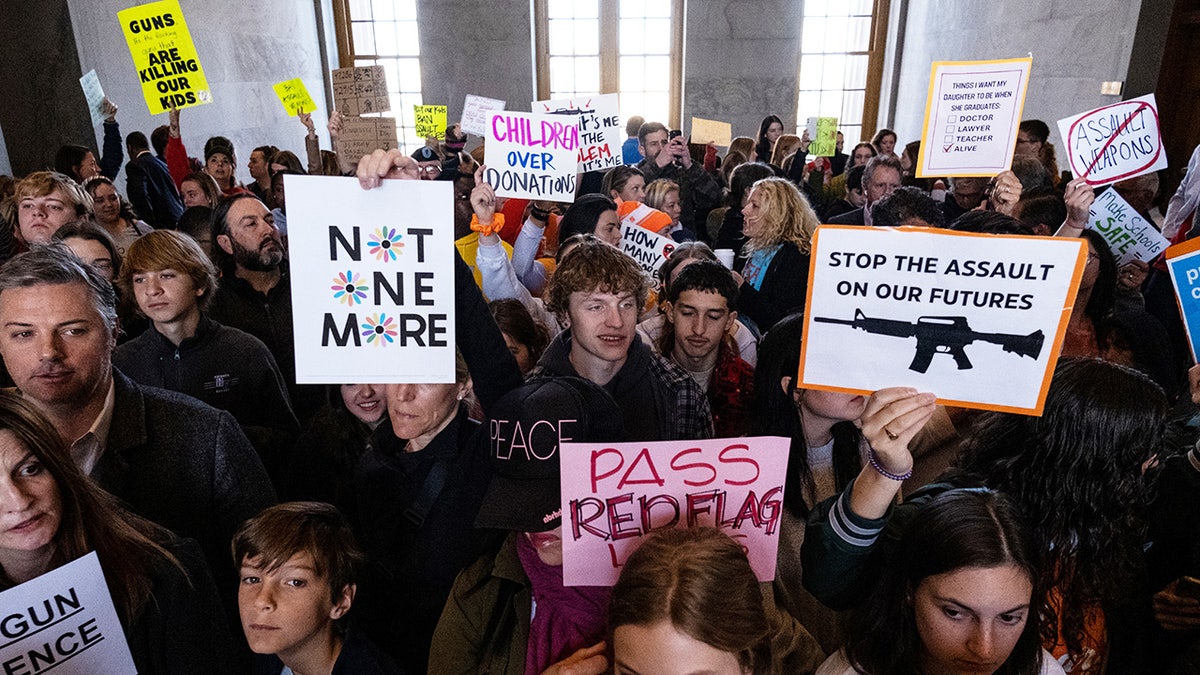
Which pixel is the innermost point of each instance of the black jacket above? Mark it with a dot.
(152, 192)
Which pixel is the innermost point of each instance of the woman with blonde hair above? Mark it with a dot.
(663, 194)
(779, 225)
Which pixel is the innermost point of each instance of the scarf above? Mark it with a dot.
(565, 619)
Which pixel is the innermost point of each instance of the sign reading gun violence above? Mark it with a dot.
(1183, 262)
(63, 621)
(1114, 142)
(164, 56)
(532, 156)
(1129, 236)
(615, 494)
(376, 300)
(600, 131)
(977, 319)
(971, 117)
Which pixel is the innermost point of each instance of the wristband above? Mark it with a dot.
(494, 227)
(884, 472)
(540, 214)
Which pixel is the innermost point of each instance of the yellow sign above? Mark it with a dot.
(710, 131)
(164, 56)
(431, 121)
(294, 96)
(824, 142)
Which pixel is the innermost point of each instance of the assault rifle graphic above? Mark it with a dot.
(941, 335)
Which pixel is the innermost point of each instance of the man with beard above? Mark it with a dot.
(255, 292)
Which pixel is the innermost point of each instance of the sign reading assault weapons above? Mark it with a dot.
(977, 319)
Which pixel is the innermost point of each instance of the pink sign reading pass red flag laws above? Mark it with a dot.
(615, 494)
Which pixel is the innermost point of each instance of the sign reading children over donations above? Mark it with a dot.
(376, 300)
(615, 494)
(532, 156)
(164, 56)
(972, 116)
(600, 130)
(63, 622)
(1114, 142)
(977, 319)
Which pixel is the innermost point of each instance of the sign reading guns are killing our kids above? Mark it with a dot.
(532, 156)
(1183, 262)
(63, 621)
(600, 130)
(977, 319)
(1129, 236)
(615, 494)
(1114, 142)
(376, 300)
(971, 117)
(164, 56)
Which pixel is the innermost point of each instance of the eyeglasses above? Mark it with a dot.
(431, 170)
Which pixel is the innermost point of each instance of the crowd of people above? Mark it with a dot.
(249, 523)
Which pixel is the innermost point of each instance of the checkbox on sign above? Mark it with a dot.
(950, 129)
(948, 139)
(952, 119)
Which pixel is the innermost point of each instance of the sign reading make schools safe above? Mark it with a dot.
(1114, 142)
(1130, 237)
(532, 156)
(971, 117)
(375, 303)
(164, 56)
(614, 495)
(977, 319)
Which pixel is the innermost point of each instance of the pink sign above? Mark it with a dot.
(1115, 142)
(615, 494)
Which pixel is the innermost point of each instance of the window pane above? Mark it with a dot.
(385, 37)
(810, 103)
(587, 74)
(633, 73)
(360, 10)
(658, 73)
(633, 103)
(816, 7)
(410, 75)
(656, 106)
(390, 74)
(813, 39)
(633, 9)
(633, 36)
(860, 7)
(831, 104)
(364, 37)
(586, 9)
(562, 73)
(658, 8)
(852, 106)
(558, 9)
(810, 71)
(858, 34)
(587, 36)
(384, 9)
(407, 42)
(658, 36)
(856, 72)
(560, 37)
(835, 31)
(406, 9)
(834, 71)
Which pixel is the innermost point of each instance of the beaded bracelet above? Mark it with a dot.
(884, 472)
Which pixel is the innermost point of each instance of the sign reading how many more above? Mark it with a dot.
(649, 250)
(376, 301)
(1115, 142)
(164, 56)
(532, 156)
(600, 130)
(360, 90)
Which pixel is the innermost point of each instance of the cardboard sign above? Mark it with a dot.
(615, 494)
(1183, 262)
(94, 93)
(475, 113)
(601, 132)
(822, 131)
(710, 131)
(1129, 236)
(360, 90)
(376, 300)
(362, 136)
(532, 156)
(977, 319)
(63, 622)
(431, 121)
(648, 249)
(294, 96)
(1115, 142)
(972, 116)
(164, 56)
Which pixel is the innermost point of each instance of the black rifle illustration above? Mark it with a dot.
(941, 335)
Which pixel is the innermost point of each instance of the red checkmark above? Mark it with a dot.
(947, 148)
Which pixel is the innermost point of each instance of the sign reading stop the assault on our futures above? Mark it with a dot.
(977, 319)
(63, 621)
(649, 250)
(615, 494)
(971, 117)
(1129, 236)
(1114, 142)
(600, 130)
(1183, 262)
(532, 156)
(164, 56)
(376, 300)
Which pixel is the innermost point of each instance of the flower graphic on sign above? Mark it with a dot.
(385, 243)
(349, 288)
(379, 329)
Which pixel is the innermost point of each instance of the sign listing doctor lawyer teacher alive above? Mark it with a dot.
(1114, 142)
(972, 116)
(977, 319)
(376, 300)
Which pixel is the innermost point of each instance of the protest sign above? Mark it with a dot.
(532, 156)
(164, 56)
(1129, 236)
(823, 134)
(600, 130)
(615, 494)
(376, 300)
(648, 249)
(294, 96)
(710, 131)
(1183, 262)
(977, 319)
(475, 113)
(431, 121)
(63, 621)
(360, 90)
(971, 117)
(94, 93)
(1114, 142)
(362, 136)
